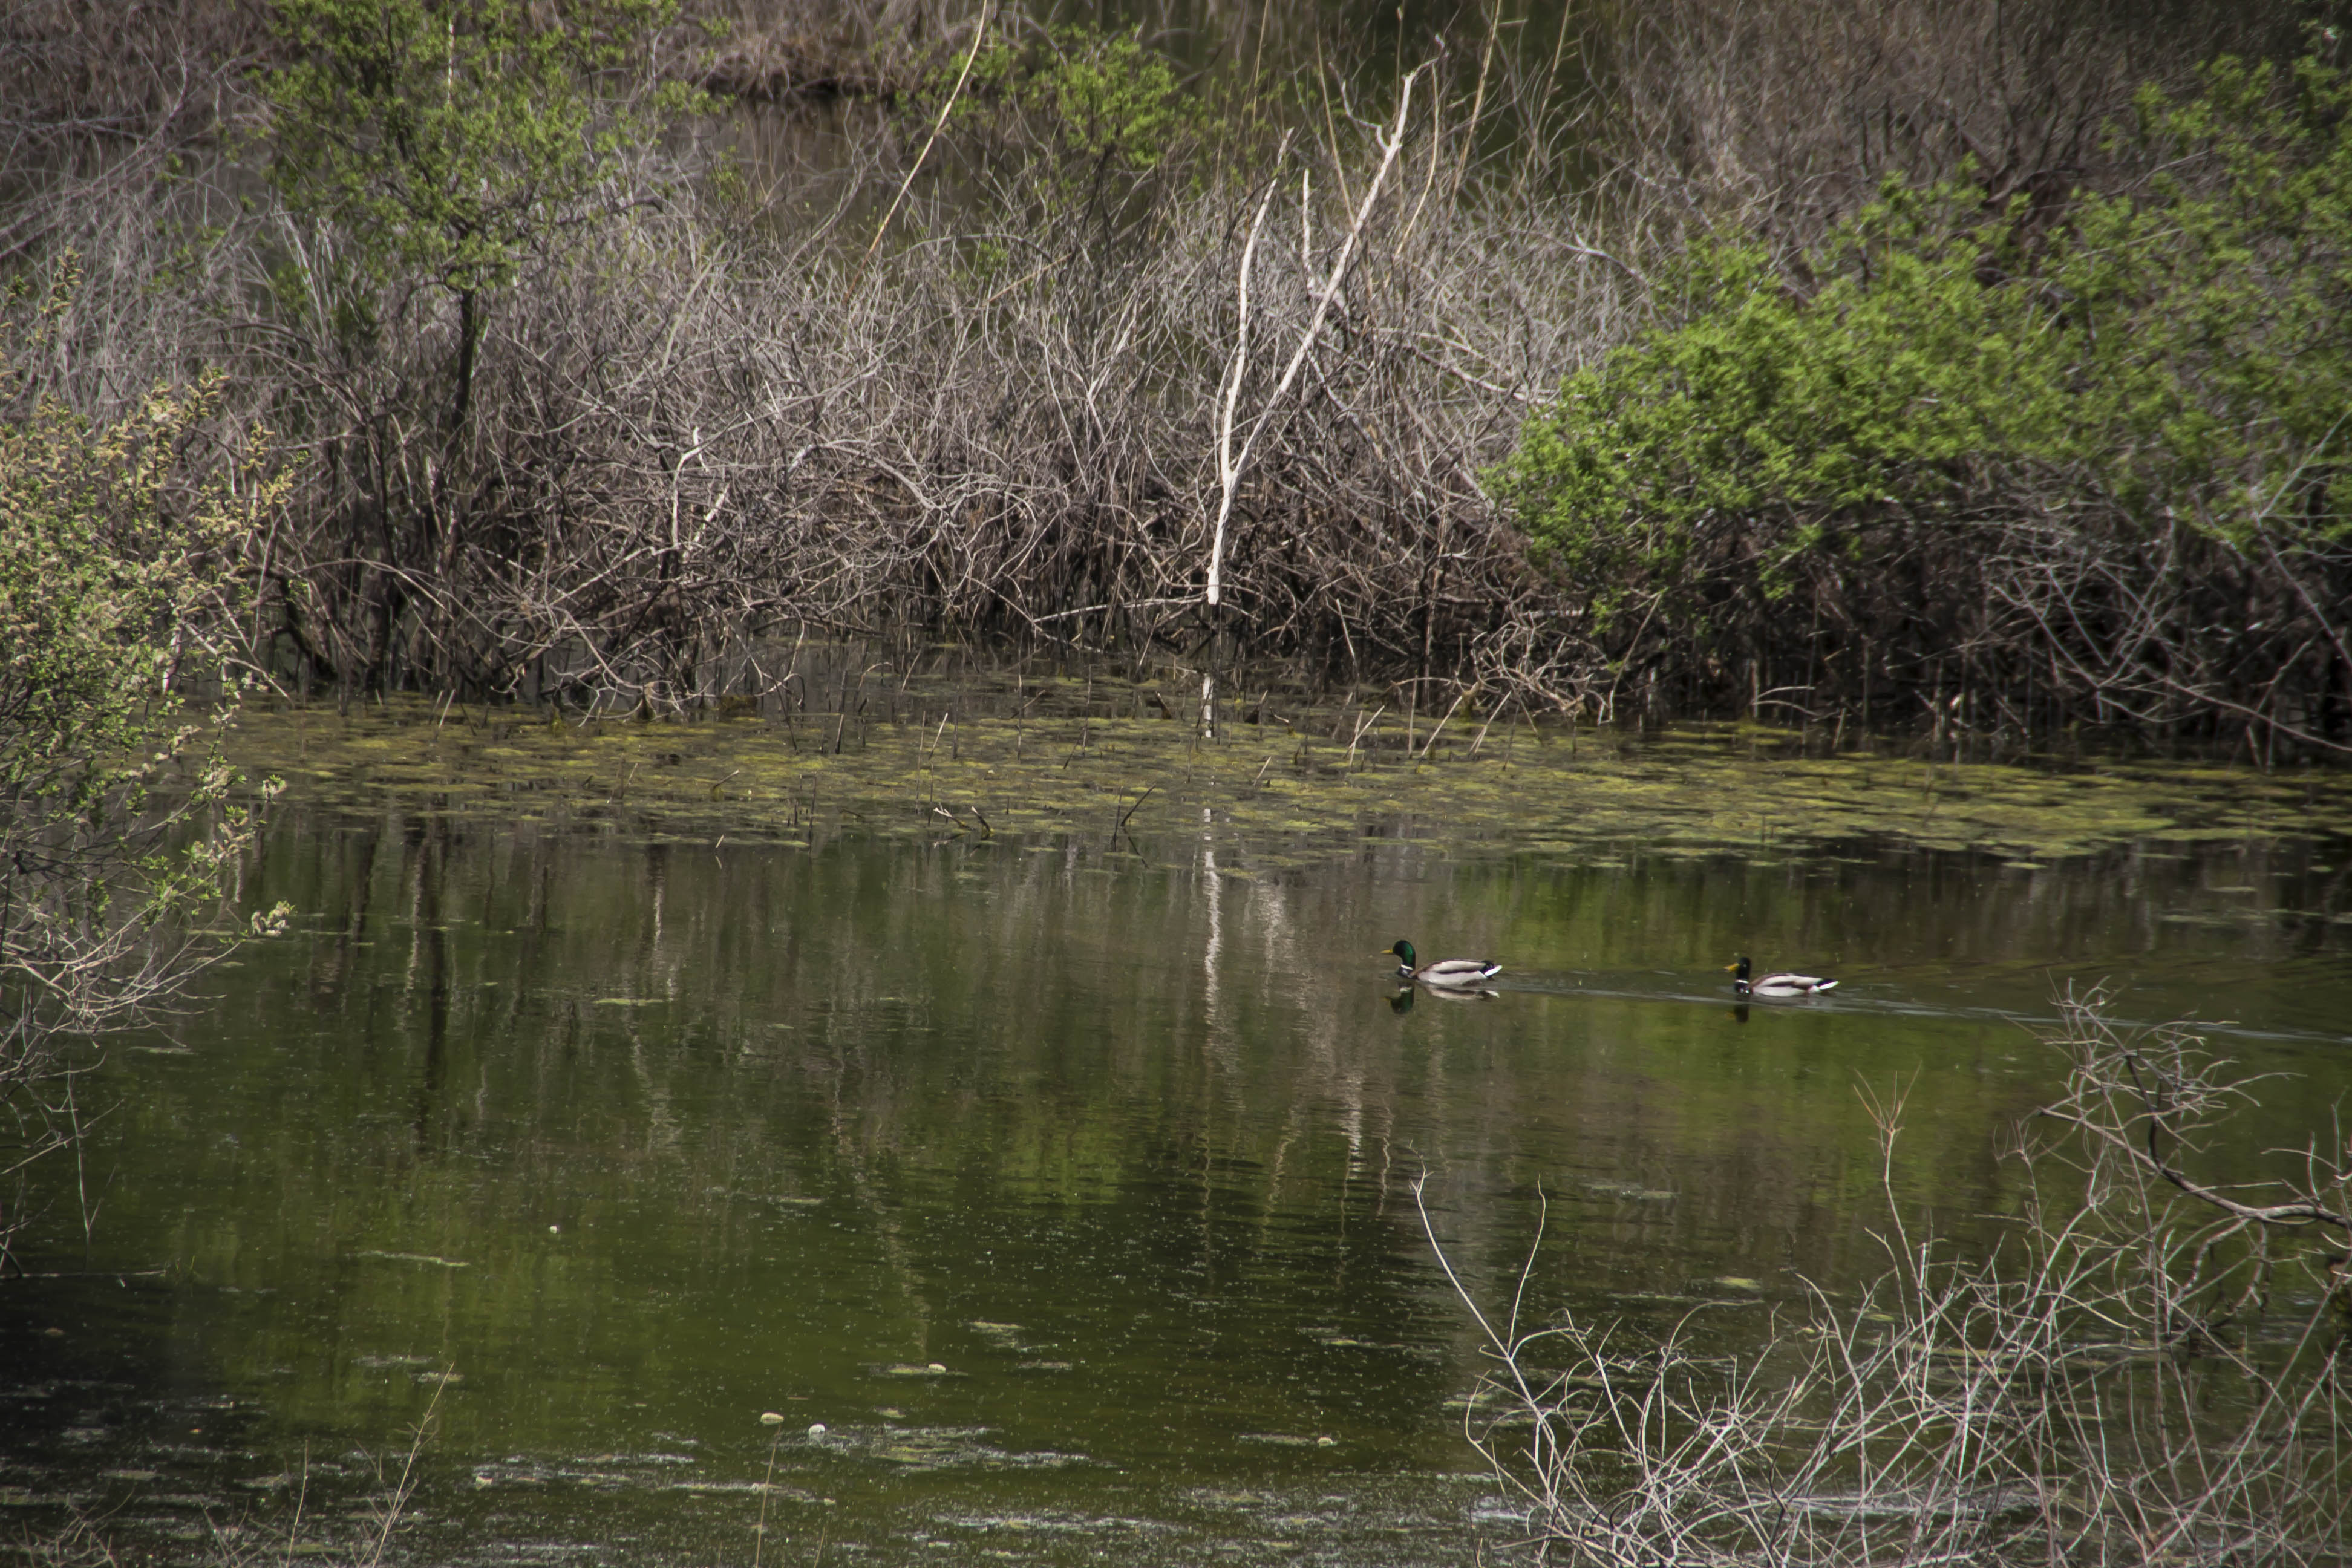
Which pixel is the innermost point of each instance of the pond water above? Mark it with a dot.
(1056, 1186)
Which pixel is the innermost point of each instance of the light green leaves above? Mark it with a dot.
(2175, 355)
(450, 137)
(123, 548)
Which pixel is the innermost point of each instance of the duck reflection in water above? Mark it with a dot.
(1402, 1001)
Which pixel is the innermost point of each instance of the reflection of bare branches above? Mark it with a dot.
(2080, 1395)
(71, 970)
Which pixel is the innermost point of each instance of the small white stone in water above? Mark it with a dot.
(1326, 1442)
(935, 1366)
(555, 1230)
(816, 1429)
(771, 1417)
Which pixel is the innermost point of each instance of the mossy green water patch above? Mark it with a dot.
(1110, 771)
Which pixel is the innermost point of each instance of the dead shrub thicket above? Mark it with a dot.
(2149, 1368)
(1778, 119)
(697, 423)
(713, 409)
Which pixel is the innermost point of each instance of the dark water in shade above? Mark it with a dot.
(1072, 1194)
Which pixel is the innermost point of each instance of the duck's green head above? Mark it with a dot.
(1739, 969)
(1404, 950)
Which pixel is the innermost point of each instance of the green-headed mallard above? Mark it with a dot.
(1782, 983)
(1445, 970)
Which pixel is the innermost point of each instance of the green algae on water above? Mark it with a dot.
(1125, 775)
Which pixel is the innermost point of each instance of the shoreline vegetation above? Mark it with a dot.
(1966, 370)
(1633, 379)
(2148, 1368)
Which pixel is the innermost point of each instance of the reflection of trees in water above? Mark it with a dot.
(967, 1048)
(876, 1020)
(795, 1113)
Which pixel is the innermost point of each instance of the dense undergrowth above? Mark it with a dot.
(1972, 367)
(1978, 367)
(2085, 457)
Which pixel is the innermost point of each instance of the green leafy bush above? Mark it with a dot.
(121, 553)
(444, 141)
(1074, 126)
(1100, 98)
(2164, 371)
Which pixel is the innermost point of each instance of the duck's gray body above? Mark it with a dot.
(1445, 970)
(1782, 982)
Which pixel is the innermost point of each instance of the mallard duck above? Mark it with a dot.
(1777, 984)
(1445, 970)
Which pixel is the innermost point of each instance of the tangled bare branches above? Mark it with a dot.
(687, 433)
(1778, 118)
(700, 415)
(2149, 1371)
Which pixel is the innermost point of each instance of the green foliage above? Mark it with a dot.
(729, 186)
(1109, 100)
(449, 137)
(446, 142)
(2178, 357)
(1089, 103)
(120, 553)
